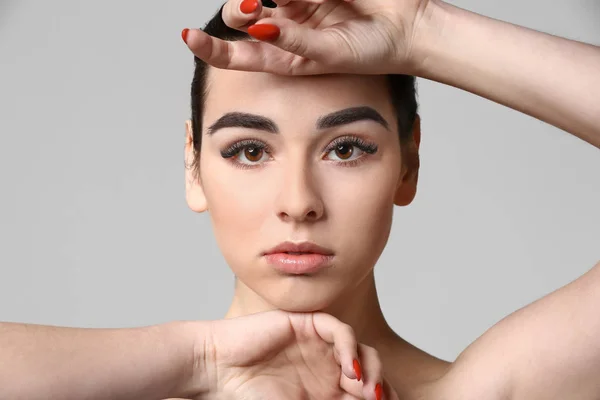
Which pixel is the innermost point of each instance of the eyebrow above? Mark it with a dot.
(332, 120)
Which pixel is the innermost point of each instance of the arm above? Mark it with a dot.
(550, 78)
(44, 362)
(258, 356)
(547, 77)
(549, 350)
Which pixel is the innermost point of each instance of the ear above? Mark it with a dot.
(407, 186)
(194, 193)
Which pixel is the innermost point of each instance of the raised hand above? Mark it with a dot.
(305, 37)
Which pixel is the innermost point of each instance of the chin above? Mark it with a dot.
(292, 301)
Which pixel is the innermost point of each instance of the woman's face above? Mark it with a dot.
(305, 160)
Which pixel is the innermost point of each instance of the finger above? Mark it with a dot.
(372, 388)
(354, 388)
(237, 14)
(285, 2)
(248, 55)
(342, 337)
(323, 46)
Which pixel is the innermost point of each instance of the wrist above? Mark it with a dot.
(428, 30)
(191, 357)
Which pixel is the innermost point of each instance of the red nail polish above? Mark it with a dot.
(184, 34)
(249, 6)
(266, 32)
(357, 370)
(378, 391)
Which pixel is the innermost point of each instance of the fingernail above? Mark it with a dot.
(357, 370)
(184, 34)
(249, 6)
(378, 391)
(266, 32)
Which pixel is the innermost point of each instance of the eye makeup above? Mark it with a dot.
(350, 151)
(345, 148)
(235, 148)
(367, 147)
(247, 153)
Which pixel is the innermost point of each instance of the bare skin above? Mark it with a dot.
(430, 39)
(262, 356)
(412, 372)
(548, 350)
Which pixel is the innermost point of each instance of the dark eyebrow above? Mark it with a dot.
(350, 115)
(243, 120)
(332, 120)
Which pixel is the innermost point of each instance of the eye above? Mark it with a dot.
(247, 152)
(251, 155)
(347, 149)
(344, 152)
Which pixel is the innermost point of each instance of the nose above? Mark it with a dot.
(299, 199)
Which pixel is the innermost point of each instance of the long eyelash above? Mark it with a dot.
(235, 148)
(367, 147)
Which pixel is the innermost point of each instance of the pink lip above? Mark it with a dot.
(298, 258)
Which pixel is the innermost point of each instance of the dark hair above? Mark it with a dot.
(401, 88)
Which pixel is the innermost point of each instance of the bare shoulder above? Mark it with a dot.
(546, 350)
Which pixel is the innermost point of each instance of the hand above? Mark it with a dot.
(316, 37)
(292, 356)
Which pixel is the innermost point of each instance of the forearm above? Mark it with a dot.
(43, 362)
(550, 78)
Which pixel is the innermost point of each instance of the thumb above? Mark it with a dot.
(316, 45)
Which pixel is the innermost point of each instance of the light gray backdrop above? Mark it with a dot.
(94, 230)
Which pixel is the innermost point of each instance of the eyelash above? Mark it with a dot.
(235, 149)
(366, 147)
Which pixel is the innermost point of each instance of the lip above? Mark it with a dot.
(303, 258)
(302, 247)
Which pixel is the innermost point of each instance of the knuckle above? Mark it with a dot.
(349, 331)
(295, 44)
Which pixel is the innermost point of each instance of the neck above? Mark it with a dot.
(358, 308)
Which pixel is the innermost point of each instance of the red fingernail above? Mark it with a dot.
(378, 391)
(266, 32)
(357, 370)
(184, 34)
(249, 6)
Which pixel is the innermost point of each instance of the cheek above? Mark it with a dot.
(362, 204)
(239, 204)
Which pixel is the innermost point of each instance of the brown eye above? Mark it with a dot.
(253, 154)
(344, 151)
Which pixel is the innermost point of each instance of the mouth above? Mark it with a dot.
(299, 258)
(299, 249)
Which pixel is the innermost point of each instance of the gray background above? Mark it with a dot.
(94, 230)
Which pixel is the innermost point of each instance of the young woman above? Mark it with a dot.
(300, 176)
(304, 136)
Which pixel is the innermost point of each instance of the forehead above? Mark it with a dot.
(295, 97)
